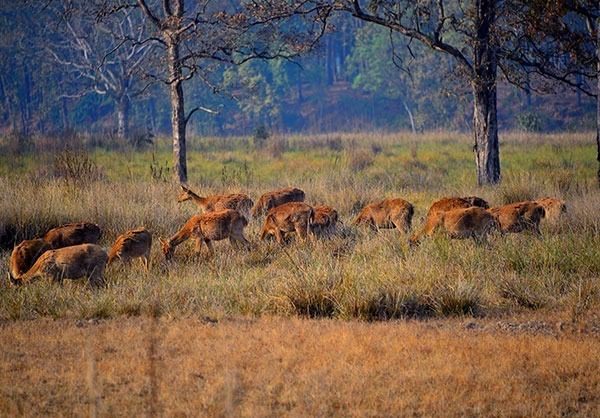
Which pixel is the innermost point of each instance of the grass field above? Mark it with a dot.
(350, 278)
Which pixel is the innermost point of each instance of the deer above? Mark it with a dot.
(73, 234)
(208, 227)
(288, 217)
(26, 254)
(135, 243)
(519, 217)
(238, 201)
(73, 262)
(449, 203)
(554, 208)
(388, 213)
(472, 222)
(325, 218)
(275, 198)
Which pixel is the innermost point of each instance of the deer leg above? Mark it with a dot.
(197, 245)
(278, 236)
(301, 231)
(211, 251)
(146, 262)
(96, 278)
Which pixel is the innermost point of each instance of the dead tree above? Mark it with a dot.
(104, 57)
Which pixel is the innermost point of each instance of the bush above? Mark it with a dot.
(530, 122)
(76, 167)
(261, 134)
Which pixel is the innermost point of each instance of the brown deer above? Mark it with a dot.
(289, 217)
(73, 234)
(555, 208)
(275, 198)
(388, 213)
(520, 216)
(449, 203)
(208, 227)
(132, 244)
(26, 254)
(473, 222)
(74, 262)
(240, 202)
(325, 218)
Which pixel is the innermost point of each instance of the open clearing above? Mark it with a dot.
(293, 367)
(450, 328)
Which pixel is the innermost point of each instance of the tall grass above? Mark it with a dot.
(353, 274)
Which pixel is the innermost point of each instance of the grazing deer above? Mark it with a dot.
(132, 244)
(389, 213)
(473, 222)
(325, 218)
(449, 203)
(555, 208)
(208, 227)
(289, 217)
(74, 262)
(73, 234)
(26, 254)
(519, 217)
(275, 198)
(240, 202)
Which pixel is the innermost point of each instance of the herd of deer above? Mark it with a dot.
(71, 251)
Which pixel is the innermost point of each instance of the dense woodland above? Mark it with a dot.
(358, 77)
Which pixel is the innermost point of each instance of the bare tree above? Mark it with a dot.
(194, 36)
(487, 38)
(104, 57)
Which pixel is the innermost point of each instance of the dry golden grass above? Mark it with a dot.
(503, 361)
(297, 368)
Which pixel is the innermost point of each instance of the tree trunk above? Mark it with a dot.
(483, 83)
(123, 118)
(410, 117)
(64, 113)
(178, 121)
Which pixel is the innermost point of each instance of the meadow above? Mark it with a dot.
(354, 273)
(351, 282)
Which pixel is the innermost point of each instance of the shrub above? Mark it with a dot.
(261, 134)
(360, 160)
(530, 122)
(76, 167)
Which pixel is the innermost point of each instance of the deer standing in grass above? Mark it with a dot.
(473, 222)
(275, 198)
(553, 207)
(325, 219)
(449, 203)
(74, 262)
(132, 244)
(73, 234)
(388, 213)
(26, 254)
(238, 201)
(520, 216)
(208, 227)
(289, 217)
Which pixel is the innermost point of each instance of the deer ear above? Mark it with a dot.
(162, 241)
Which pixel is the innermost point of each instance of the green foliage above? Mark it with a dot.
(530, 122)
